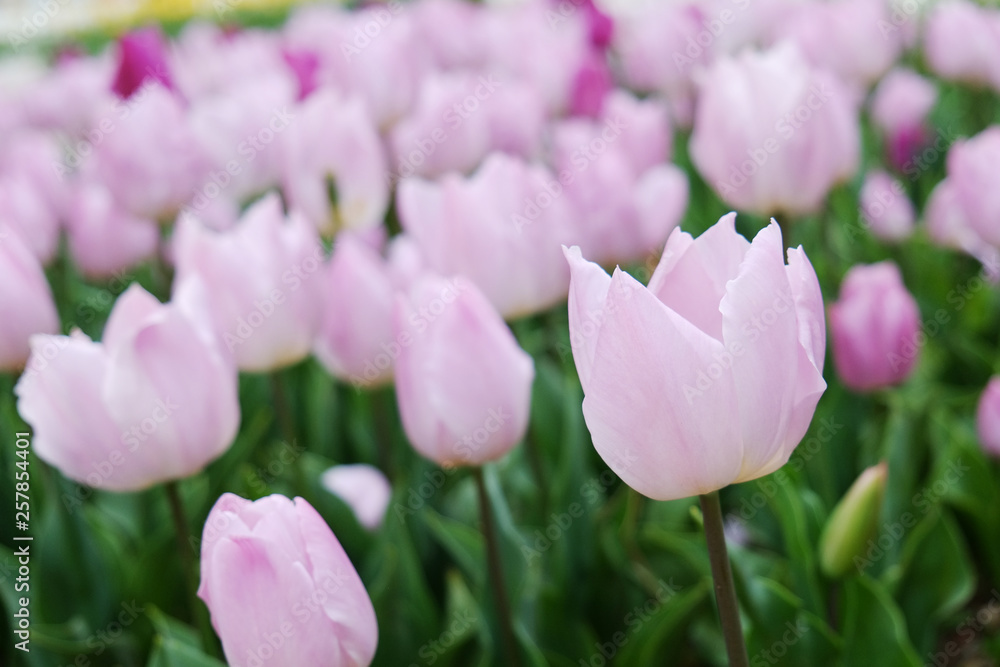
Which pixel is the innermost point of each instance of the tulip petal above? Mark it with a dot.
(808, 306)
(657, 418)
(130, 312)
(588, 291)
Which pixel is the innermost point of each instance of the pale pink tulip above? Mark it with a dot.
(365, 490)
(988, 418)
(962, 42)
(886, 208)
(899, 108)
(26, 305)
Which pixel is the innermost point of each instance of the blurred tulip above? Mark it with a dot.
(24, 206)
(962, 42)
(280, 588)
(508, 214)
(874, 326)
(142, 55)
(103, 239)
(972, 173)
(724, 328)
(365, 490)
(462, 382)
(948, 226)
(305, 65)
(853, 522)
(208, 60)
(26, 305)
(355, 340)
(591, 86)
(988, 418)
(453, 31)
(899, 108)
(262, 281)
(155, 400)
(333, 167)
(626, 199)
(885, 207)
(796, 134)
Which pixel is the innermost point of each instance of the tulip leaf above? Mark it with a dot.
(874, 627)
(649, 630)
(171, 652)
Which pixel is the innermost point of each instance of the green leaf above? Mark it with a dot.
(648, 630)
(170, 652)
(874, 627)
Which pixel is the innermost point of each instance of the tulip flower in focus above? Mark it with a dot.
(462, 382)
(154, 401)
(899, 108)
(853, 522)
(886, 208)
(364, 488)
(143, 55)
(988, 417)
(962, 42)
(874, 326)
(794, 137)
(26, 305)
(262, 277)
(273, 568)
(501, 227)
(355, 340)
(724, 328)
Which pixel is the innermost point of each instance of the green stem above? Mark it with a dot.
(185, 547)
(287, 424)
(722, 573)
(496, 571)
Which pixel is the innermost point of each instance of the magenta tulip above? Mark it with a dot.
(885, 207)
(508, 214)
(771, 133)
(462, 382)
(280, 588)
(142, 56)
(26, 305)
(355, 339)
(988, 418)
(365, 490)
(709, 375)
(263, 282)
(155, 400)
(875, 326)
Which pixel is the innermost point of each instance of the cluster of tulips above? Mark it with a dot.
(385, 188)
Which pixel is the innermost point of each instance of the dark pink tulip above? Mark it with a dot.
(899, 108)
(142, 56)
(874, 326)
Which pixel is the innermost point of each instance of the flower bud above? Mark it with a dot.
(853, 522)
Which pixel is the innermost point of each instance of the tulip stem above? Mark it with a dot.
(186, 548)
(722, 573)
(286, 422)
(496, 571)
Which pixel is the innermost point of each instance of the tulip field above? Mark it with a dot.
(524, 333)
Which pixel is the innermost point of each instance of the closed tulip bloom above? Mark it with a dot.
(142, 55)
(26, 305)
(501, 227)
(972, 173)
(988, 418)
(263, 282)
(25, 207)
(365, 490)
(332, 148)
(874, 326)
(274, 567)
(155, 400)
(462, 382)
(886, 208)
(709, 375)
(771, 133)
(899, 108)
(355, 339)
(948, 226)
(103, 238)
(962, 43)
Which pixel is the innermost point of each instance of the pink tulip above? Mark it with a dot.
(23, 206)
(305, 65)
(988, 417)
(962, 43)
(207, 60)
(973, 175)
(155, 400)
(459, 118)
(365, 490)
(453, 31)
(26, 305)
(591, 86)
(948, 226)
(626, 199)
(71, 95)
(874, 326)
(263, 281)
(508, 214)
(899, 108)
(886, 208)
(355, 340)
(103, 238)
(332, 143)
(711, 374)
(142, 56)
(772, 133)
(462, 382)
(280, 588)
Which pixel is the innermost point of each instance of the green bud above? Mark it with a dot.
(853, 522)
